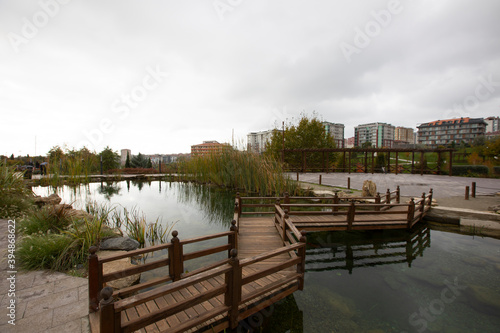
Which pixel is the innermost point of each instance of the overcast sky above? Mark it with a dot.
(160, 76)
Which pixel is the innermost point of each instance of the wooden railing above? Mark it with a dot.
(175, 261)
(235, 305)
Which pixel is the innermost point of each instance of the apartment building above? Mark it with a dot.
(404, 135)
(256, 141)
(336, 131)
(208, 147)
(443, 132)
(378, 134)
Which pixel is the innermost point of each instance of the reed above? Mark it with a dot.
(241, 170)
(16, 199)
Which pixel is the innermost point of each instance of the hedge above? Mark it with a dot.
(496, 170)
(468, 170)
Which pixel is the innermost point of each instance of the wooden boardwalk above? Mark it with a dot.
(266, 262)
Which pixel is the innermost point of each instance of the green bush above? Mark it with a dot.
(496, 170)
(469, 170)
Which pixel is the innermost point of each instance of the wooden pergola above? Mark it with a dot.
(365, 167)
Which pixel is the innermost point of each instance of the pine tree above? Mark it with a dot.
(127, 161)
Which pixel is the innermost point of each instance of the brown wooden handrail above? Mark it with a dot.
(175, 263)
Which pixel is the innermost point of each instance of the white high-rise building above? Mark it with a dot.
(336, 131)
(378, 134)
(256, 141)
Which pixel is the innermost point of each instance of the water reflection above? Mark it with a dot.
(109, 190)
(346, 251)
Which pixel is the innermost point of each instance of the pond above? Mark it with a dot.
(423, 280)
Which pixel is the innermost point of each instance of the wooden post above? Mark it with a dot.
(377, 201)
(411, 212)
(335, 202)
(176, 267)
(327, 162)
(159, 166)
(238, 199)
(398, 194)
(297, 176)
(451, 163)
(350, 216)
(439, 163)
(412, 162)
(301, 266)
(388, 162)
(421, 163)
(373, 162)
(397, 163)
(422, 205)
(388, 196)
(233, 238)
(348, 183)
(466, 192)
(276, 211)
(320, 179)
(343, 161)
(323, 161)
(109, 321)
(303, 161)
(366, 161)
(283, 236)
(287, 200)
(232, 297)
(95, 280)
(473, 192)
(430, 196)
(349, 167)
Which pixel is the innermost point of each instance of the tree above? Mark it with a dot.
(308, 133)
(127, 161)
(139, 161)
(150, 165)
(110, 159)
(55, 154)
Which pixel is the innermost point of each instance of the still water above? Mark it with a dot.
(388, 281)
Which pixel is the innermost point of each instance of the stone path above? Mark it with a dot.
(44, 301)
(411, 185)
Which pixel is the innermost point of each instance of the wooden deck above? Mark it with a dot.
(266, 263)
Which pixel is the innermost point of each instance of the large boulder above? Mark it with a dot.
(369, 189)
(52, 199)
(116, 266)
(119, 243)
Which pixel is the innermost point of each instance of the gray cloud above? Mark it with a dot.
(262, 62)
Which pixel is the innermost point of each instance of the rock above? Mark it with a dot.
(77, 214)
(52, 199)
(369, 189)
(119, 243)
(59, 207)
(487, 298)
(118, 265)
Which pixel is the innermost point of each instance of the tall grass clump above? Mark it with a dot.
(247, 171)
(47, 251)
(15, 198)
(44, 220)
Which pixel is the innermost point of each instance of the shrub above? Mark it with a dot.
(496, 170)
(469, 170)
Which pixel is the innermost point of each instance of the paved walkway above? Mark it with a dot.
(411, 185)
(44, 301)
